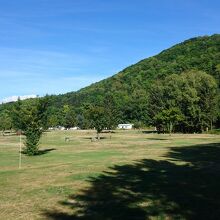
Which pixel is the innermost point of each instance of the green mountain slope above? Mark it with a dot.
(132, 83)
(129, 89)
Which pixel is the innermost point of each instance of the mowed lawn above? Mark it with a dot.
(126, 175)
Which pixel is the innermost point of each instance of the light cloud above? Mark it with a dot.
(27, 63)
(15, 98)
(58, 46)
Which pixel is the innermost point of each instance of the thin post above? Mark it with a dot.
(20, 154)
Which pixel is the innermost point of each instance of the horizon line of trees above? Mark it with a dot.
(191, 99)
(188, 103)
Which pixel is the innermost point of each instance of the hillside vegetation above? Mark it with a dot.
(130, 87)
(129, 90)
(201, 53)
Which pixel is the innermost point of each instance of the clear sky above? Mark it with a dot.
(57, 46)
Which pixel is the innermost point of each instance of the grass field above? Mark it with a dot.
(130, 175)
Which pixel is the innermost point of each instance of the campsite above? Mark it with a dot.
(109, 110)
(137, 174)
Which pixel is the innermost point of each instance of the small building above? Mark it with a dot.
(125, 126)
(74, 128)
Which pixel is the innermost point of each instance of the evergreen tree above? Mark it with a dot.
(29, 117)
(5, 120)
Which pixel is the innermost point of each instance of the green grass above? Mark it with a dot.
(133, 175)
(214, 131)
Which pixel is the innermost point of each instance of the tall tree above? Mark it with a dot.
(111, 112)
(98, 118)
(193, 93)
(69, 117)
(168, 118)
(29, 117)
(5, 120)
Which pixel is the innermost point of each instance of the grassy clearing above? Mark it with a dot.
(132, 175)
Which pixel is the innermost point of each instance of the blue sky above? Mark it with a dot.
(57, 46)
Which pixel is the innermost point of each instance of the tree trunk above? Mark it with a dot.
(98, 136)
(170, 127)
(211, 126)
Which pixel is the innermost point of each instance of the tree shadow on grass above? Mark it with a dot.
(149, 132)
(41, 152)
(158, 139)
(101, 138)
(150, 188)
(45, 151)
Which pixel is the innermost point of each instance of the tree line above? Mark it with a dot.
(34, 116)
(175, 91)
(186, 103)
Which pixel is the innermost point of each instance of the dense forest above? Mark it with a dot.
(176, 90)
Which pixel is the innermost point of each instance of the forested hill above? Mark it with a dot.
(128, 93)
(130, 86)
